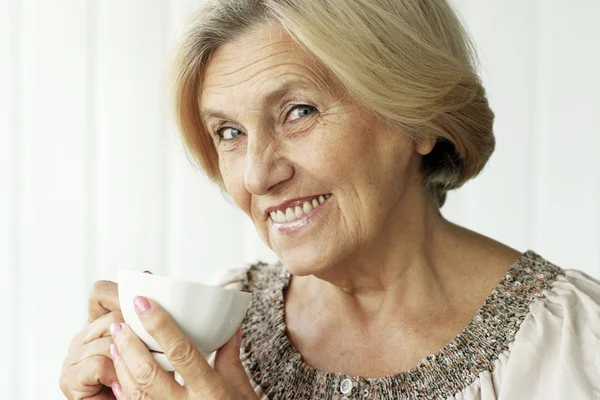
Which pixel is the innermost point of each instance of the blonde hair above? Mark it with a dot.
(410, 61)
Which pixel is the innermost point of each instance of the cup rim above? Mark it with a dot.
(181, 281)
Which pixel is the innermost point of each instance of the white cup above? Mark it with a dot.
(208, 315)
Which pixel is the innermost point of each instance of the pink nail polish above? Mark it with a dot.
(115, 328)
(114, 351)
(141, 304)
(116, 388)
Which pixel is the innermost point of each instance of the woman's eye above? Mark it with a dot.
(301, 111)
(229, 133)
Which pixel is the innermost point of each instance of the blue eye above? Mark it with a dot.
(229, 133)
(301, 111)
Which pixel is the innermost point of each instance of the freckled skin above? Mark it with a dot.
(341, 148)
(379, 259)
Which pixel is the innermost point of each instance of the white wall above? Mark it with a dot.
(93, 177)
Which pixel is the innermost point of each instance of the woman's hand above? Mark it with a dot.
(88, 371)
(140, 377)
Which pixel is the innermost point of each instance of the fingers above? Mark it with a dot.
(88, 366)
(185, 358)
(104, 298)
(95, 330)
(101, 327)
(137, 369)
(99, 347)
(88, 378)
(105, 394)
(95, 370)
(122, 388)
(229, 366)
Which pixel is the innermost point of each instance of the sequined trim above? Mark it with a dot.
(277, 367)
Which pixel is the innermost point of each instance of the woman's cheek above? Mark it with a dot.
(232, 174)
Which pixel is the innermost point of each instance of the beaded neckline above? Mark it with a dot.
(277, 366)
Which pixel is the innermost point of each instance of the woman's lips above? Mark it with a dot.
(297, 210)
(300, 217)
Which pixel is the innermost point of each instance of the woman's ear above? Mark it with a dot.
(424, 145)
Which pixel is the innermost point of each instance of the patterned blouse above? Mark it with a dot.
(537, 336)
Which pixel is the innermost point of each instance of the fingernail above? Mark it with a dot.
(114, 351)
(115, 328)
(116, 388)
(141, 304)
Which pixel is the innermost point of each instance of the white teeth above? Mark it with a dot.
(306, 207)
(280, 216)
(290, 215)
(297, 212)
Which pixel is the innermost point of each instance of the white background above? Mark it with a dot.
(93, 177)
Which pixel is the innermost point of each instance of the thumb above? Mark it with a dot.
(229, 366)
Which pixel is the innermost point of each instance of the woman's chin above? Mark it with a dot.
(304, 263)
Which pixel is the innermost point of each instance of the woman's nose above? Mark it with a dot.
(265, 169)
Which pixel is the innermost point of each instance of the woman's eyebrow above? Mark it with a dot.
(272, 96)
(212, 113)
(276, 94)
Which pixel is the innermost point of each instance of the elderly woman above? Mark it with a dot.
(338, 127)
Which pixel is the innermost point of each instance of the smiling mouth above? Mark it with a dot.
(291, 214)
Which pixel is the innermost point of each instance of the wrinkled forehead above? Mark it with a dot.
(260, 61)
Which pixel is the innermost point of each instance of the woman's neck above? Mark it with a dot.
(419, 264)
(421, 272)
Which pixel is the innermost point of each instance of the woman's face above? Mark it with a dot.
(320, 175)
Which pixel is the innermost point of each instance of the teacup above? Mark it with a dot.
(208, 315)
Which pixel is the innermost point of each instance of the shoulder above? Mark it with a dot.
(251, 278)
(556, 351)
(574, 303)
(574, 298)
(570, 304)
